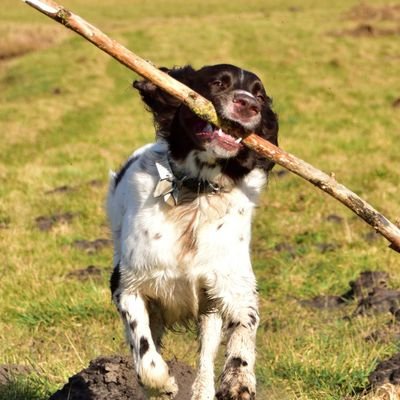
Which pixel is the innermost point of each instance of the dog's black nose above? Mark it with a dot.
(246, 104)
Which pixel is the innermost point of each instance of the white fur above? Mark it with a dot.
(171, 254)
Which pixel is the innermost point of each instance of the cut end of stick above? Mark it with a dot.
(42, 6)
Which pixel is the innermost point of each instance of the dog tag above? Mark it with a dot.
(163, 188)
(170, 199)
(164, 172)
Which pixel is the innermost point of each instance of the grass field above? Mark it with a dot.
(68, 115)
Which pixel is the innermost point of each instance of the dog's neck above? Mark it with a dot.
(200, 166)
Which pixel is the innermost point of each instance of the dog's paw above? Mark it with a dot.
(203, 389)
(237, 385)
(168, 392)
(154, 375)
(239, 393)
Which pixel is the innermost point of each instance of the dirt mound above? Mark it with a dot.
(92, 246)
(387, 371)
(114, 378)
(9, 372)
(372, 21)
(369, 289)
(379, 300)
(46, 223)
(365, 12)
(83, 274)
(368, 30)
(65, 189)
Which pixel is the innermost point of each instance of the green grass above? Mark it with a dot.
(68, 115)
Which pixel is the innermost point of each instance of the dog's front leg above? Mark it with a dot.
(152, 371)
(210, 325)
(238, 380)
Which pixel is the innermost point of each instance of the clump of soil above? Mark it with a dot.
(369, 289)
(372, 21)
(387, 371)
(8, 372)
(396, 103)
(85, 273)
(67, 188)
(60, 189)
(324, 302)
(279, 172)
(334, 218)
(387, 333)
(367, 282)
(92, 246)
(380, 13)
(46, 222)
(114, 378)
(379, 300)
(368, 30)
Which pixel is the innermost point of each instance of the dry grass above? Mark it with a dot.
(16, 42)
(68, 115)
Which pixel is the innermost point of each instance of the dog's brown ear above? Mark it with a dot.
(161, 104)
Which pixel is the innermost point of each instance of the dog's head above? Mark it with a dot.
(238, 96)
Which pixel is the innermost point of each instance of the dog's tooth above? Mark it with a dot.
(220, 133)
(238, 140)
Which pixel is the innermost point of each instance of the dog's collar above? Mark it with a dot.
(172, 182)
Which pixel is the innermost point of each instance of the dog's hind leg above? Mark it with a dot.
(210, 325)
(152, 371)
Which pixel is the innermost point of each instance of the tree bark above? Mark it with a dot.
(205, 110)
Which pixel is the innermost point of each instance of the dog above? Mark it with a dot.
(180, 212)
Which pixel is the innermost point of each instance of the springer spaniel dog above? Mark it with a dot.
(180, 211)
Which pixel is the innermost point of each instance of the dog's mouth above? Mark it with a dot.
(210, 134)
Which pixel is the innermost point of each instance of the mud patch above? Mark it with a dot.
(285, 247)
(92, 246)
(90, 272)
(372, 21)
(379, 300)
(114, 378)
(335, 219)
(324, 302)
(368, 30)
(387, 333)
(279, 172)
(60, 189)
(387, 371)
(369, 289)
(365, 12)
(46, 223)
(8, 372)
(95, 183)
(396, 103)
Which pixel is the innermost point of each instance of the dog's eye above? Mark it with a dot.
(261, 98)
(217, 83)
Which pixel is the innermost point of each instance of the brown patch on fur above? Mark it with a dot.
(194, 210)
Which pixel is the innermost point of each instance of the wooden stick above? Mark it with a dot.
(205, 110)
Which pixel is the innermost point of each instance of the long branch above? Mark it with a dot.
(205, 110)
